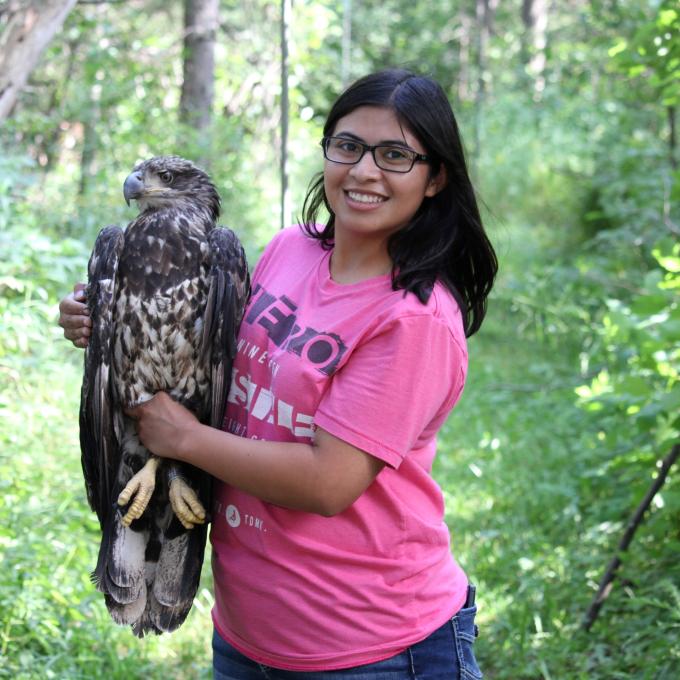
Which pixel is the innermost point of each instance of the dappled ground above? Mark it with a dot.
(536, 500)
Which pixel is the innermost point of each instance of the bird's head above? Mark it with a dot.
(171, 181)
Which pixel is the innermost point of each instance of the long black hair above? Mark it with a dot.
(445, 240)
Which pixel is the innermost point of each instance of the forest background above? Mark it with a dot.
(568, 111)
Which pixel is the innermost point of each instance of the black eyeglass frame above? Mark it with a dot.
(417, 157)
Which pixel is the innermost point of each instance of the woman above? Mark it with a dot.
(330, 553)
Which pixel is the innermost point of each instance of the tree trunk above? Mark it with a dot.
(201, 20)
(26, 28)
(90, 139)
(484, 12)
(672, 137)
(464, 50)
(534, 41)
(346, 42)
(285, 197)
(482, 30)
(528, 21)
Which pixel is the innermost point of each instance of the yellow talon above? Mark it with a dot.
(141, 486)
(185, 503)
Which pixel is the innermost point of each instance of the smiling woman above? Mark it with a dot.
(369, 197)
(443, 238)
(330, 551)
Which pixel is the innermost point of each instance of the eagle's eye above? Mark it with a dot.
(166, 176)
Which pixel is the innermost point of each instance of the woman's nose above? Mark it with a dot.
(366, 167)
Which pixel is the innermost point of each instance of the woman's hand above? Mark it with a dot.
(163, 425)
(74, 316)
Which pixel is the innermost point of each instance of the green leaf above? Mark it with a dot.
(667, 17)
(620, 46)
(634, 386)
(670, 402)
(670, 263)
(646, 305)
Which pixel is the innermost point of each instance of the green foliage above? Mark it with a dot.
(637, 345)
(573, 391)
(539, 484)
(653, 53)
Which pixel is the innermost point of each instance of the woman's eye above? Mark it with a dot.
(166, 177)
(348, 147)
(396, 154)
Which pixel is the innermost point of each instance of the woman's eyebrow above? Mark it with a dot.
(384, 142)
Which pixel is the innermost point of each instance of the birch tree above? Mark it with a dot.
(26, 29)
(534, 42)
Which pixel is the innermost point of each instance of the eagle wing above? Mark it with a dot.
(228, 294)
(99, 444)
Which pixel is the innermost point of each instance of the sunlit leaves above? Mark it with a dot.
(669, 259)
(642, 353)
(654, 52)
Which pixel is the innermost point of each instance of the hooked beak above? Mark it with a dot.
(133, 187)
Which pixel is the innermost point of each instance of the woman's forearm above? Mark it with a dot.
(324, 476)
(292, 475)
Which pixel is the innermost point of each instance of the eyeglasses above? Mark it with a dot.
(386, 156)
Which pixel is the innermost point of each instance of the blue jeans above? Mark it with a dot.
(446, 654)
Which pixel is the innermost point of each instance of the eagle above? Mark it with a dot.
(166, 297)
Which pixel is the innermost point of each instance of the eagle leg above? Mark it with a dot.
(141, 486)
(184, 500)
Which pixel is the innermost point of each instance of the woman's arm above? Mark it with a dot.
(323, 477)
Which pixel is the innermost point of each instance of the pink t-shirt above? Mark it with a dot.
(381, 371)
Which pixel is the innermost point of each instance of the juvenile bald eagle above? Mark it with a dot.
(166, 297)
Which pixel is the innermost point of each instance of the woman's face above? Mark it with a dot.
(366, 200)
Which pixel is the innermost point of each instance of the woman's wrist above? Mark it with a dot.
(186, 442)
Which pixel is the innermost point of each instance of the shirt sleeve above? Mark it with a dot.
(267, 255)
(396, 389)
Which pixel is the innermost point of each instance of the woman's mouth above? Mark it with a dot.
(360, 197)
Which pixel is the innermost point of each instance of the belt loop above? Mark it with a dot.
(470, 598)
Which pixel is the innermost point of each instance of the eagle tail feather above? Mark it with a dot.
(126, 613)
(120, 572)
(177, 578)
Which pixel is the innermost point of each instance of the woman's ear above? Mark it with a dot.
(436, 183)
